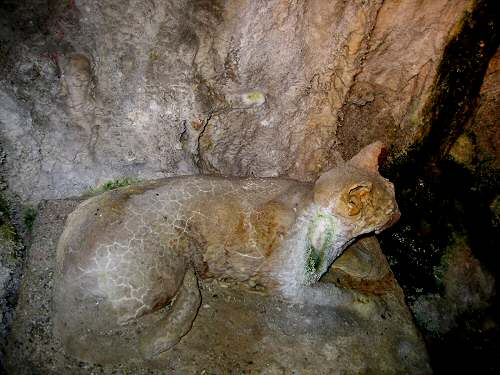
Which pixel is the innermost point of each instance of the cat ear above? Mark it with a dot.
(368, 157)
(356, 197)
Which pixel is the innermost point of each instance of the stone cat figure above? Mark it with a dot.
(126, 254)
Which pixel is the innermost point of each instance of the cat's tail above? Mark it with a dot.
(169, 330)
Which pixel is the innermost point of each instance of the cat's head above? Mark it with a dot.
(357, 195)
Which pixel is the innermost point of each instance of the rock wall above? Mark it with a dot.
(389, 95)
(96, 90)
(481, 136)
(104, 94)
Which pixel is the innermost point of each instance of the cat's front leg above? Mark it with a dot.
(176, 323)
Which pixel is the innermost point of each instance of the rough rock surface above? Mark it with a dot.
(158, 88)
(105, 93)
(11, 256)
(482, 131)
(389, 94)
(467, 287)
(238, 330)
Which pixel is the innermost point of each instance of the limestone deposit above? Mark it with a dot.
(248, 88)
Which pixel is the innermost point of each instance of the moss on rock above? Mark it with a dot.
(113, 184)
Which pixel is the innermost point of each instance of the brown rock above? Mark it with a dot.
(389, 94)
(485, 123)
(363, 267)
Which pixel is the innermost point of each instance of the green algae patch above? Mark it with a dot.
(29, 217)
(319, 241)
(11, 245)
(253, 98)
(313, 260)
(112, 185)
(154, 56)
(8, 233)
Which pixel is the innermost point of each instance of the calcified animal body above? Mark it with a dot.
(126, 254)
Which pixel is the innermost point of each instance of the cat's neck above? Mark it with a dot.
(295, 265)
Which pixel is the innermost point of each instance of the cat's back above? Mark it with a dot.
(132, 212)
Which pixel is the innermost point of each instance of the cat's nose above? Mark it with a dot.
(392, 220)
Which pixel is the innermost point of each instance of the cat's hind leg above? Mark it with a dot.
(177, 322)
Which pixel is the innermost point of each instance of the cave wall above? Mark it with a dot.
(480, 143)
(103, 93)
(90, 91)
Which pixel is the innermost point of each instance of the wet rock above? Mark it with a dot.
(467, 287)
(462, 151)
(495, 210)
(484, 124)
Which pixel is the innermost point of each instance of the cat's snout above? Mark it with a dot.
(392, 220)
